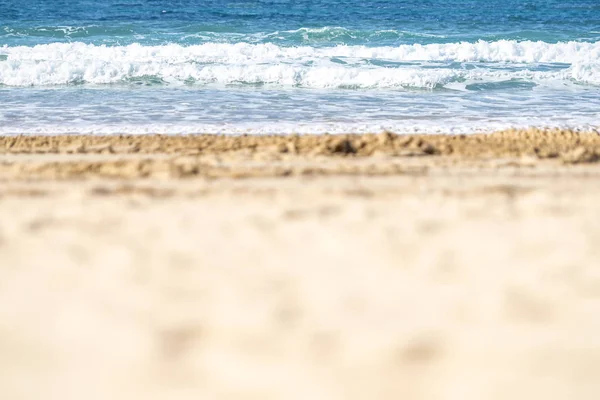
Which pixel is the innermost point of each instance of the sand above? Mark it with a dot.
(300, 267)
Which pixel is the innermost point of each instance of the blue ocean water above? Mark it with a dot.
(277, 66)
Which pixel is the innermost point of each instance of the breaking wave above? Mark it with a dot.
(411, 66)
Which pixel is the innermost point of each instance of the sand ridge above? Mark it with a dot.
(212, 156)
(545, 143)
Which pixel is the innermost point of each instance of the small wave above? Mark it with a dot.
(67, 32)
(417, 66)
(341, 35)
(198, 33)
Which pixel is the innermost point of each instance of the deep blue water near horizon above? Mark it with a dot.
(229, 66)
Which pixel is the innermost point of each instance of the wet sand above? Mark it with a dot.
(300, 267)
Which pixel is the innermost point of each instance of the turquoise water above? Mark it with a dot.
(227, 66)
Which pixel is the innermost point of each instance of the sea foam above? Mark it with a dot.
(418, 66)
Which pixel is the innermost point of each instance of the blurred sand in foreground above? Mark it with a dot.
(300, 267)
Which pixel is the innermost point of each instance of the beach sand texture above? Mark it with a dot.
(300, 267)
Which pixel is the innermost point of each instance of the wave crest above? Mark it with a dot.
(420, 66)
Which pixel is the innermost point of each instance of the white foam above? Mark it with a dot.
(305, 66)
(458, 126)
(586, 73)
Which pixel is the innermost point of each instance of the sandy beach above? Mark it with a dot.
(300, 267)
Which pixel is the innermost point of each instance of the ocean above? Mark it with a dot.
(303, 66)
